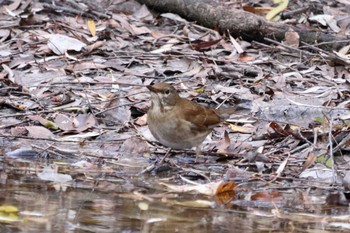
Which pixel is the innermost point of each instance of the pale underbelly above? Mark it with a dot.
(178, 136)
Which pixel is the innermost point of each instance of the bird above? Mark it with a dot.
(179, 123)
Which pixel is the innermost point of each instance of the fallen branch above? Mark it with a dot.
(241, 23)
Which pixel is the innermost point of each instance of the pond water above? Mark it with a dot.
(125, 201)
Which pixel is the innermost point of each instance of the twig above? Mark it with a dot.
(294, 12)
(69, 10)
(330, 55)
(53, 139)
(122, 105)
(154, 165)
(289, 47)
(15, 124)
(330, 140)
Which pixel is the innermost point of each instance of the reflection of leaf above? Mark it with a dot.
(225, 192)
(268, 196)
(195, 203)
(8, 214)
(50, 174)
(8, 209)
(226, 187)
(8, 218)
(209, 189)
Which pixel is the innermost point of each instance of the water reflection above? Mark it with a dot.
(131, 203)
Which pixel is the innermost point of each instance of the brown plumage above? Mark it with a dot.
(177, 122)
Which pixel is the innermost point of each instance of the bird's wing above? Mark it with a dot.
(199, 115)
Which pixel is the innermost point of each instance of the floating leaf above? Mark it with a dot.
(8, 209)
(50, 174)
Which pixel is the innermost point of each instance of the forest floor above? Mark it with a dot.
(76, 152)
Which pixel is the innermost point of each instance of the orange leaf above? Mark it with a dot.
(225, 192)
(266, 196)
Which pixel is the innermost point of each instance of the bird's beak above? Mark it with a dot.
(152, 88)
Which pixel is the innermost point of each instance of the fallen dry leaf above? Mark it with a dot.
(60, 44)
(39, 132)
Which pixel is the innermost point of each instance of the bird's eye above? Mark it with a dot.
(167, 92)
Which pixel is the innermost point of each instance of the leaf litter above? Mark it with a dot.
(73, 96)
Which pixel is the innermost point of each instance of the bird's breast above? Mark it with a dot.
(173, 131)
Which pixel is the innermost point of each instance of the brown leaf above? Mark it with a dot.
(18, 130)
(245, 57)
(262, 11)
(64, 122)
(83, 122)
(224, 143)
(39, 132)
(337, 198)
(291, 38)
(60, 44)
(237, 173)
(225, 192)
(200, 45)
(118, 115)
(226, 187)
(44, 122)
(14, 5)
(143, 13)
(134, 146)
(311, 158)
(94, 46)
(267, 196)
(278, 128)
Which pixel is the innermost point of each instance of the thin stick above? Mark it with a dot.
(153, 166)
